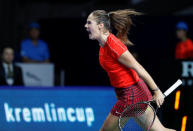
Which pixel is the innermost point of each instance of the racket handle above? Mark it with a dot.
(173, 87)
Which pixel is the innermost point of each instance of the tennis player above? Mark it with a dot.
(125, 73)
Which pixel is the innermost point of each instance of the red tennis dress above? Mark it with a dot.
(129, 87)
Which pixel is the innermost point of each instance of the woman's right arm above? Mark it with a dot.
(128, 60)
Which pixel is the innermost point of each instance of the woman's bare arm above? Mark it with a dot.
(128, 60)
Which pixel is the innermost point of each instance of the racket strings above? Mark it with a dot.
(142, 113)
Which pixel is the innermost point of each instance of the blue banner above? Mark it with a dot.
(68, 109)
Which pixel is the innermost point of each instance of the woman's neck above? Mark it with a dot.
(103, 39)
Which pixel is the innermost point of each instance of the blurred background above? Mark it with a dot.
(62, 77)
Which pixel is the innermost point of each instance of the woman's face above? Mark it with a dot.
(93, 28)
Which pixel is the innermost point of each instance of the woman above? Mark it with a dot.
(123, 70)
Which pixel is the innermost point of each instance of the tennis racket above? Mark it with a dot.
(143, 113)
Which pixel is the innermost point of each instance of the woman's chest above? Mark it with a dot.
(106, 60)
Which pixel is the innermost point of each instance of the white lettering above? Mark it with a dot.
(17, 114)
(80, 114)
(38, 115)
(71, 118)
(53, 112)
(9, 113)
(89, 116)
(187, 69)
(47, 109)
(49, 113)
(26, 115)
(61, 114)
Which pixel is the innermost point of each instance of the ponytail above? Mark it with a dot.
(122, 22)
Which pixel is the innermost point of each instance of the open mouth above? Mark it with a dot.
(89, 32)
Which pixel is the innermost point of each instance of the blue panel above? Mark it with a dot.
(69, 109)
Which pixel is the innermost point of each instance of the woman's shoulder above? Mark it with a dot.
(115, 42)
(113, 39)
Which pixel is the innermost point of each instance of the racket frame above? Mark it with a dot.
(145, 102)
(166, 93)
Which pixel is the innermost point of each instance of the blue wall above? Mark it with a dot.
(68, 109)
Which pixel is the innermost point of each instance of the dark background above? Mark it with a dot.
(62, 27)
(155, 41)
(154, 38)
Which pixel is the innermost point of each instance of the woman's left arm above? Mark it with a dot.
(128, 60)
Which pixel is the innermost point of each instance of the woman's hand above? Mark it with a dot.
(158, 97)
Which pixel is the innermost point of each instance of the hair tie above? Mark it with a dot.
(108, 14)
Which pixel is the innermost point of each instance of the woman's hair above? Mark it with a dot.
(120, 20)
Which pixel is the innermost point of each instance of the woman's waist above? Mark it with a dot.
(124, 85)
(129, 90)
(134, 91)
(123, 81)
